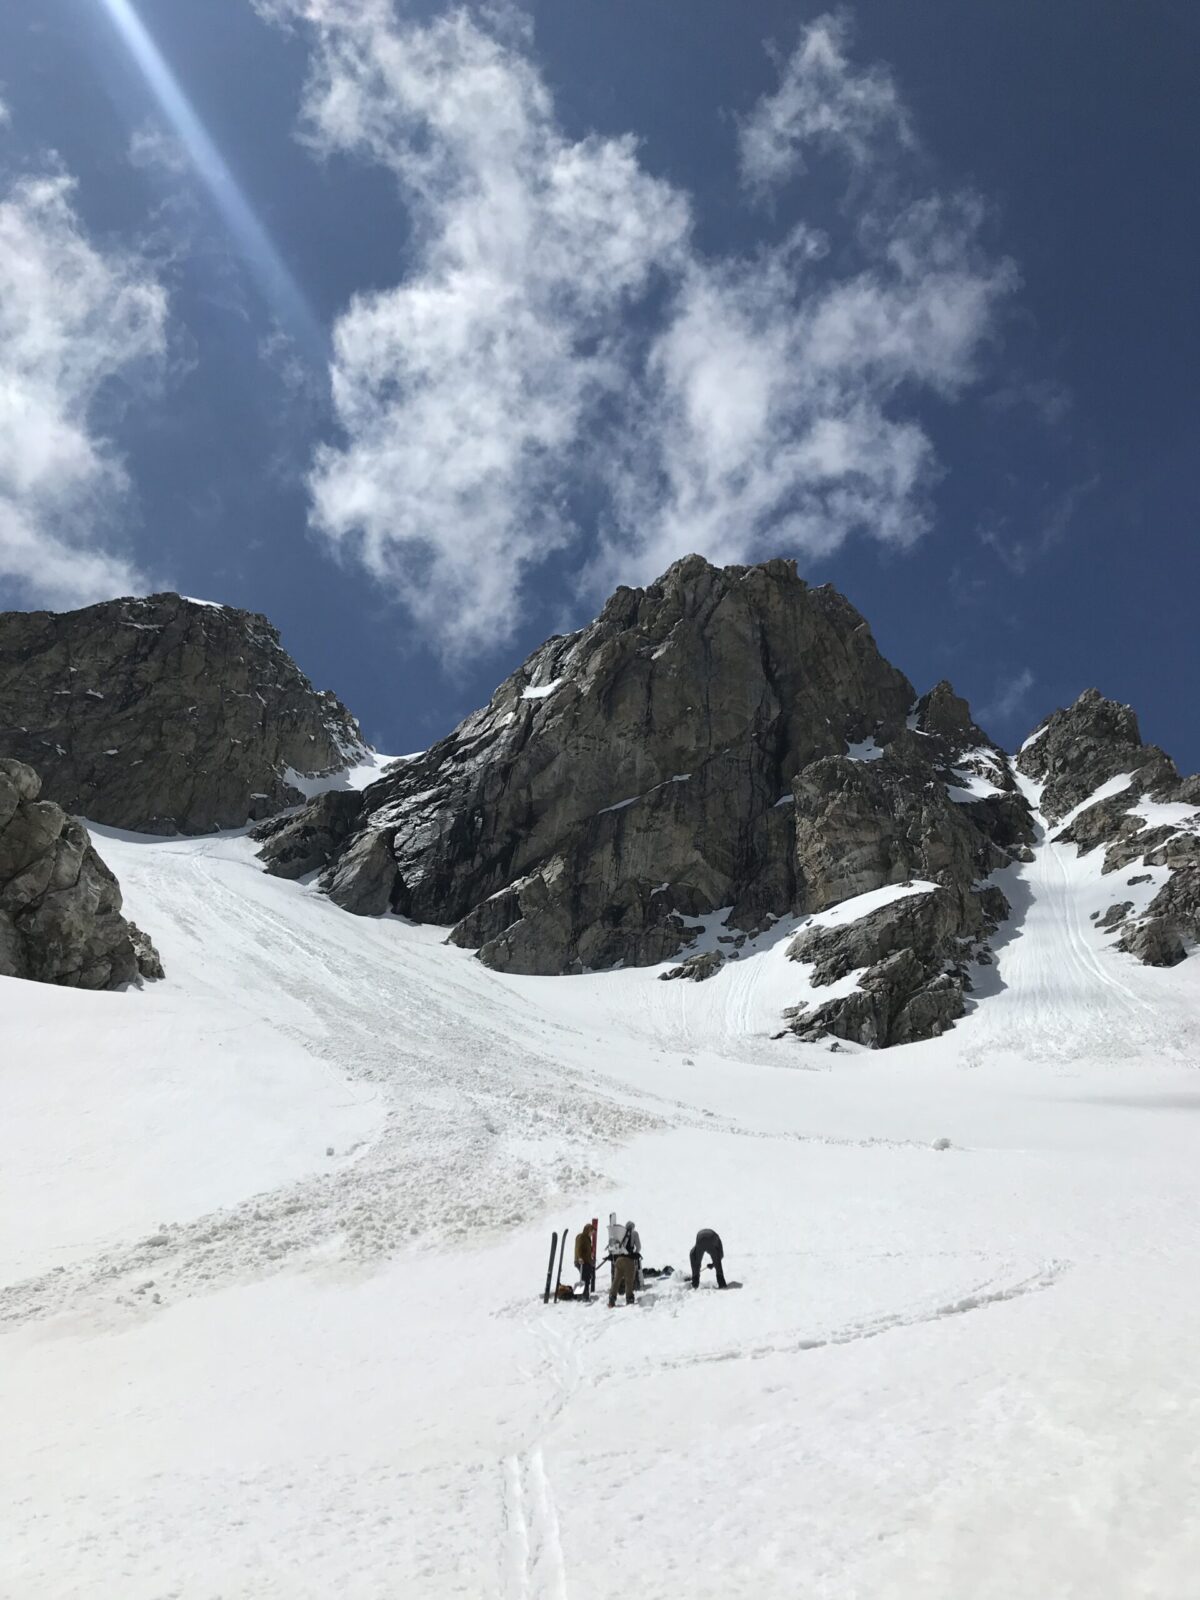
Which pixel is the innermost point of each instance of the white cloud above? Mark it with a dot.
(72, 319)
(772, 420)
(463, 392)
(560, 337)
(822, 101)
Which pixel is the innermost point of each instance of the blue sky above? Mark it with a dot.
(420, 327)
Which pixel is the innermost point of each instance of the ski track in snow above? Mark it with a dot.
(977, 1299)
(1063, 995)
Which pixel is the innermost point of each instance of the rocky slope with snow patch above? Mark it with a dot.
(725, 740)
(163, 714)
(1103, 788)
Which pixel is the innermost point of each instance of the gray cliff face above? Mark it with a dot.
(60, 906)
(725, 738)
(1149, 828)
(938, 806)
(162, 714)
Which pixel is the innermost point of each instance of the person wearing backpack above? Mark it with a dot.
(708, 1243)
(626, 1260)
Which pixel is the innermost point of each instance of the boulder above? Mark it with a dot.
(60, 906)
(706, 964)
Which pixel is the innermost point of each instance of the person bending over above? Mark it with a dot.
(708, 1243)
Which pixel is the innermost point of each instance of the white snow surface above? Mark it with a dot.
(978, 777)
(235, 1366)
(971, 786)
(1165, 814)
(541, 691)
(369, 766)
(865, 750)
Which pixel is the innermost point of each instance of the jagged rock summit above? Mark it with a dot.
(726, 740)
(163, 714)
(60, 906)
(1103, 788)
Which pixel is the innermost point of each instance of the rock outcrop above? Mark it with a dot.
(937, 805)
(725, 740)
(1107, 790)
(60, 906)
(164, 715)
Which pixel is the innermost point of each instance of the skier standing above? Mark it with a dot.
(708, 1243)
(626, 1259)
(585, 1259)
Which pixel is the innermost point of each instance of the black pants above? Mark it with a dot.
(707, 1244)
(587, 1271)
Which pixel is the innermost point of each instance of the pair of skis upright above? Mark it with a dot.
(554, 1248)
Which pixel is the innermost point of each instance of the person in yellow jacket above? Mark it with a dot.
(585, 1259)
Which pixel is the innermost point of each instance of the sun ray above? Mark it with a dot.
(262, 257)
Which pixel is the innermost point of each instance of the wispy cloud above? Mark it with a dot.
(1019, 553)
(823, 101)
(153, 149)
(74, 319)
(1009, 698)
(559, 338)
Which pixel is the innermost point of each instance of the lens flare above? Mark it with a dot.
(264, 261)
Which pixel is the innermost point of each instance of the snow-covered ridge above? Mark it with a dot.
(358, 775)
(862, 905)
(1165, 814)
(1114, 786)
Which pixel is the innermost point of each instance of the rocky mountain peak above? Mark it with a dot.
(724, 743)
(164, 714)
(946, 714)
(1083, 746)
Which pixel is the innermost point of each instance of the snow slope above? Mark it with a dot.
(949, 1373)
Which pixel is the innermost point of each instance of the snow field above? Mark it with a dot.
(949, 1372)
